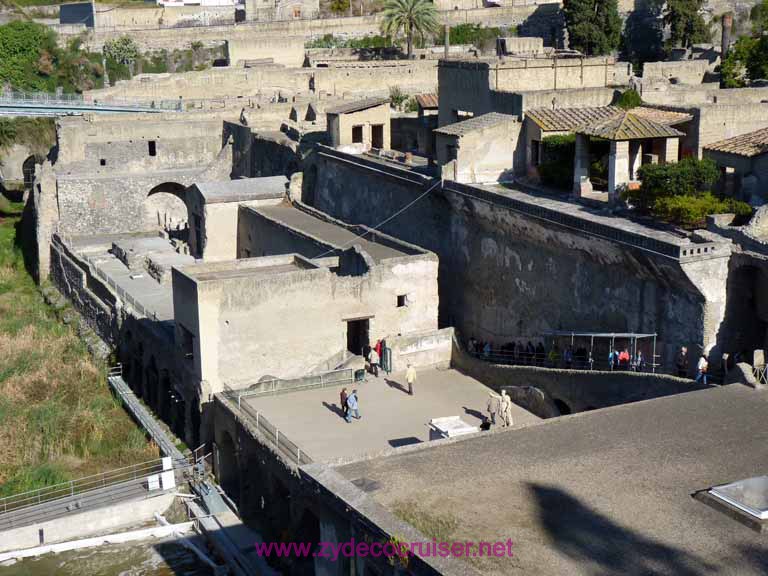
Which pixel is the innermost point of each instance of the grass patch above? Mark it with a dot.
(435, 525)
(58, 417)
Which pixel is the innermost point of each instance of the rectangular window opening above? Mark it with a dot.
(152, 148)
(357, 134)
(402, 300)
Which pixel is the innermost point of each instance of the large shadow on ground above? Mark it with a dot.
(604, 547)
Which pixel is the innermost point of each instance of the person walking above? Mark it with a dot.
(701, 370)
(343, 401)
(353, 409)
(410, 377)
(681, 362)
(506, 410)
(373, 360)
(493, 406)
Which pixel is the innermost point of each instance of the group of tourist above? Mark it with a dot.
(349, 402)
(498, 407)
(537, 355)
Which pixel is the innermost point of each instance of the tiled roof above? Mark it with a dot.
(667, 117)
(569, 119)
(476, 123)
(628, 126)
(427, 101)
(750, 144)
(357, 105)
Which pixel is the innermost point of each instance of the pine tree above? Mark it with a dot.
(594, 26)
(686, 23)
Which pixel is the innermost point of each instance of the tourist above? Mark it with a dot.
(353, 411)
(681, 362)
(373, 360)
(639, 362)
(506, 409)
(472, 346)
(701, 370)
(410, 377)
(492, 407)
(487, 350)
(568, 357)
(554, 356)
(540, 354)
(530, 353)
(624, 359)
(343, 401)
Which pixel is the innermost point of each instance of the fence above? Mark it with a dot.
(272, 433)
(86, 484)
(56, 100)
(544, 359)
(760, 372)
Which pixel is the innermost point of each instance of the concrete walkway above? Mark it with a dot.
(390, 418)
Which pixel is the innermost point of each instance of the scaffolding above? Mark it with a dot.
(630, 337)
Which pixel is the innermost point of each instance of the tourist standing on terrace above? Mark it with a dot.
(343, 398)
(353, 411)
(410, 377)
(701, 370)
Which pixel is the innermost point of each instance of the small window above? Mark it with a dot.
(102, 162)
(402, 300)
(152, 148)
(357, 134)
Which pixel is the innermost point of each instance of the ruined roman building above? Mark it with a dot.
(243, 253)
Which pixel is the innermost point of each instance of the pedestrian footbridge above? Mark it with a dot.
(51, 104)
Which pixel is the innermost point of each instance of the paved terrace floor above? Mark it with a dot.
(604, 492)
(154, 297)
(326, 232)
(390, 418)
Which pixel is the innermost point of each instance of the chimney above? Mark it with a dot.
(447, 42)
(725, 41)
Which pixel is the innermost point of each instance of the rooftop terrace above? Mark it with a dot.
(602, 492)
(390, 418)
(334, 235)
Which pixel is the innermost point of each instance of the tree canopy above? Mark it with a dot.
(409, 17)
(686, 23)
(594, 26)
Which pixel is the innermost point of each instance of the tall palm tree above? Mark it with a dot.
(409, 16)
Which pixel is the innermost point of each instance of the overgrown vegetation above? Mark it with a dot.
(331, 41)
(438, 526)
(58, 419)
(31, 60)
(556, 166)
(37, 134)
(747, 59)
(594, 26)
(476, 35)
(682, 192)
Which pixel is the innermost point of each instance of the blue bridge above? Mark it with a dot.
(48, 104)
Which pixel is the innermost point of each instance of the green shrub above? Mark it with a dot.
(689, 177)
(629, 99)
(692, 210)
(556, 167)
(397, 97)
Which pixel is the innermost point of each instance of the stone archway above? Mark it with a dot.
(228, 467)
(165, 208)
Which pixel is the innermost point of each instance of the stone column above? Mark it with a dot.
(635, 158)
(618, 167)
(581, 183)
(671, 150)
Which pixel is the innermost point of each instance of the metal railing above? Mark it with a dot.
(272, 433)
(60, 100)
(82, 486)
(545, 360)
(760, 372)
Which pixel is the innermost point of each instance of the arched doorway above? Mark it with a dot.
(138, 370)
(165, 208)
(164, 396)
(152, 381)
(745, 328)
(228, 467)
(562, 407)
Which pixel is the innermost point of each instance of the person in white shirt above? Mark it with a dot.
(373, 360)
(701, 370)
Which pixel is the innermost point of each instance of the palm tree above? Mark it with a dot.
(409, 16)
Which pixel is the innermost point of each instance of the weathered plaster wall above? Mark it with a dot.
(280, 325)
(505, 274)
(685, 71)
(288, 51)
(341, 126)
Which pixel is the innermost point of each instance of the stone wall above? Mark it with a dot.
(683, 72)
(507, 274)
(578, 390)
(288, 51)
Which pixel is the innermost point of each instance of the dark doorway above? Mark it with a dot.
(228, 467)
(357, 335)
(562, 407)
(357, 134)
(377, 135)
